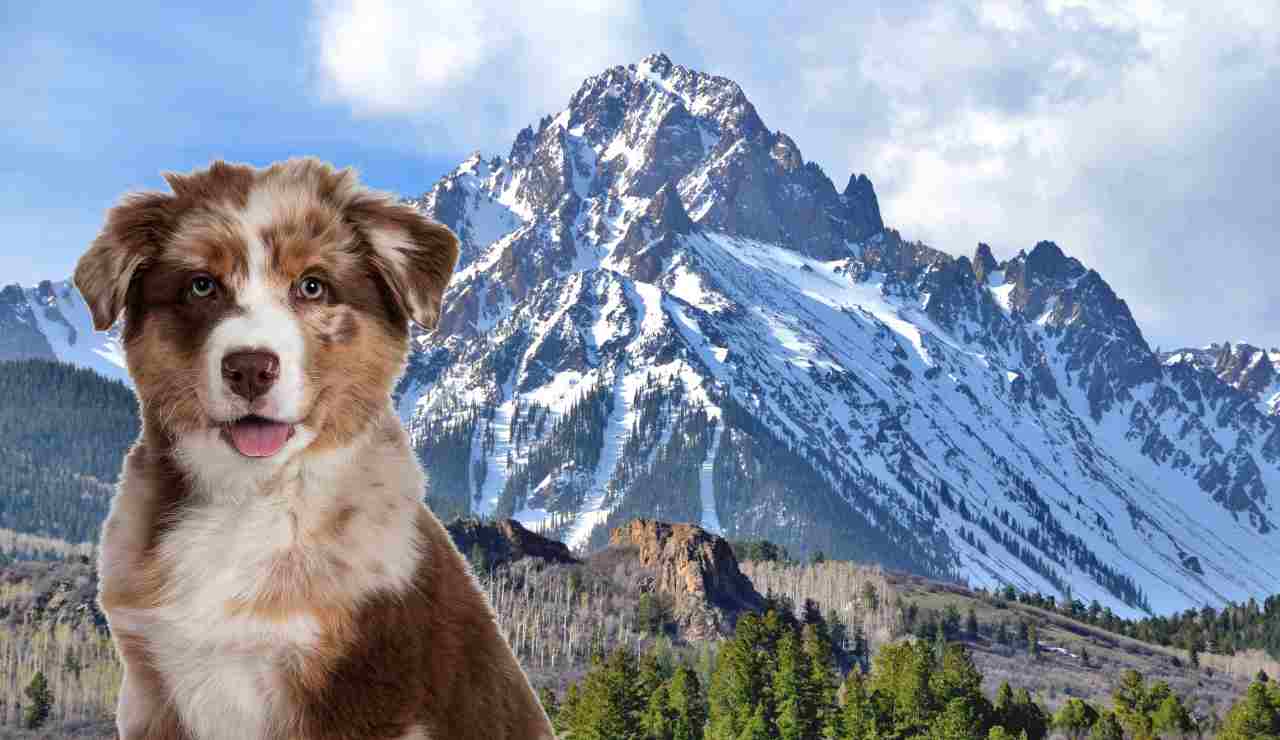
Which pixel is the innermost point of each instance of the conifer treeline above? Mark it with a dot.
(781, 677)
(63, 434)
(574, 441)
(444, 446)
(658, 473)
(767, 489)
(1235, 627)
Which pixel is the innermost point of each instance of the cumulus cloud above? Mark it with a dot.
(1135, 133)
(472, 73)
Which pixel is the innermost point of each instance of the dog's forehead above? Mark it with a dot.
(279, 230)
(211, 240)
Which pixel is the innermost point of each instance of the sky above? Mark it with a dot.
(1137, 134)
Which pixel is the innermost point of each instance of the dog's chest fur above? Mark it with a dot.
(250, 580)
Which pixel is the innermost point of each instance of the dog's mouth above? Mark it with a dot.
(257, 436)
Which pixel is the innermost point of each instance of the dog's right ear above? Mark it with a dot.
(134, 231)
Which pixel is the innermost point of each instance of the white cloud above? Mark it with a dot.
(472, 72)
(1135, 133)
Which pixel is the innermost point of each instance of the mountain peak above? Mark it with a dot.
(984, 263)
(658, 63)
(669, 312)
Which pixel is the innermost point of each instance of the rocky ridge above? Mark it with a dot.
(697, 569)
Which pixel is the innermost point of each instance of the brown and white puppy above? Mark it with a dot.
(268, 568)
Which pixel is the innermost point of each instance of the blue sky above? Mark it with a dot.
(1135, 133)
(102, 100)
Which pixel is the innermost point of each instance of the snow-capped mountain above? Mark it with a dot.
(1249, 369)
(663, 310)
(51, 321)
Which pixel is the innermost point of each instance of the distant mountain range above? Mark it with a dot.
(663, 310)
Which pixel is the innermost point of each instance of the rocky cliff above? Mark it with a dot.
(696, 569)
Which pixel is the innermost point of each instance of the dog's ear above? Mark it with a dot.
(414, 255)
(134, 230)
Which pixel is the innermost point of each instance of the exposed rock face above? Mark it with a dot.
(505, 542)
(697, 569)
(20, 336)
(60, 591)
(51, 322)
(1251, 370)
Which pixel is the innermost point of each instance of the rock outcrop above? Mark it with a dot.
(505, 541)
(696, 569)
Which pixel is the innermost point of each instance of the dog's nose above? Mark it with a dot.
(250, 374)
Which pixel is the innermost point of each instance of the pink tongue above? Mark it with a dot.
(259, 438)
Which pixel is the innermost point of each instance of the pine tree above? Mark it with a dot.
(971, 624)
(651, 674)
(793, 694)
(567, 715)
(610, 705)
(688, 705)
(1132, 704)
(901, 672)
(41, 698)
(1075, 719)
(1004, 701)
(857, 715)
(1031, 718)
(958, 680)
(1172, 718)
(738, 685)
(755, 728)
(1016, 711)
(659, 720)
(1107, 728)
(959, 720)
(1256, 715)
(823, 679)
(71, 663)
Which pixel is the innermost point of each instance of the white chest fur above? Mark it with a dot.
(222, 663)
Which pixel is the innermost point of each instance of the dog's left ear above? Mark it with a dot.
(135, 228)
(414, 255)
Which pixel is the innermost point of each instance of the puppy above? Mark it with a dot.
(268, 568)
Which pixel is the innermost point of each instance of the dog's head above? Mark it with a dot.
(265, 311)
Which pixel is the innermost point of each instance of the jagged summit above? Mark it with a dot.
(628, 133)
(1249, 369)
(684, 318)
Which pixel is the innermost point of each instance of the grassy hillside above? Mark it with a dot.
(1072, 658)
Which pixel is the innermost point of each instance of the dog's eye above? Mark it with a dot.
(203, 286)
(311, 289)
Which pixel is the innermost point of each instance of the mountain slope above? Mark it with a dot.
(52, 322)
(677, 316)
(1249, 369)
(663, 310)
(63, 435)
